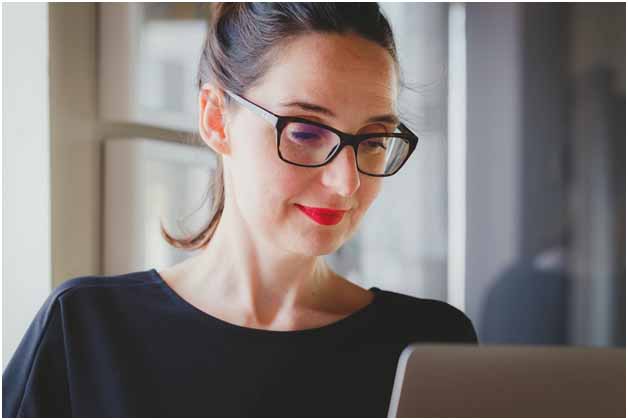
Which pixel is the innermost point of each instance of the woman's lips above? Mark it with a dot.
(322, 216)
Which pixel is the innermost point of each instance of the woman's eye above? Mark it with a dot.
(376, 144)
(302, 135)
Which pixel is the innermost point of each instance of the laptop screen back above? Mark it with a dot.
(460, 380)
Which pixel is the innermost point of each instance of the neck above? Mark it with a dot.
(247, 270)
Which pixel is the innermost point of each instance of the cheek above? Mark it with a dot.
(366, 194)
(264, 184)
(369, 190)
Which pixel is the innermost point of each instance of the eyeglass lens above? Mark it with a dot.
(307, 144)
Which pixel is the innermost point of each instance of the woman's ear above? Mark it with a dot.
(211, 118)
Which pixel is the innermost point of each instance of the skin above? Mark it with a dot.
(264, 268)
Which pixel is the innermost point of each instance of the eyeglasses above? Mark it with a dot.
(310, 144)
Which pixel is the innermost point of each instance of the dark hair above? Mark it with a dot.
(241, 44)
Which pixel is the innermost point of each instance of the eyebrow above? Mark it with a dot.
(306, 106)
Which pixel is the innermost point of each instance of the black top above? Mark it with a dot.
(129, 346)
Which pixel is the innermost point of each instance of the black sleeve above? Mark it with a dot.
(452, 324)
(467, 331)
(34, 383)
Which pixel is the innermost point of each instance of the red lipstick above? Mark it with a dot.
(323, 216)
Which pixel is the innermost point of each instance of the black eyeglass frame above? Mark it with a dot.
(346, 139)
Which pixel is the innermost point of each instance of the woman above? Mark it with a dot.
(256, 324)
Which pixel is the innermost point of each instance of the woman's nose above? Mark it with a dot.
(341, 174)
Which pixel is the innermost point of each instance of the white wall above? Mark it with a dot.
(406, 250)
(26, 169)
(494, 107)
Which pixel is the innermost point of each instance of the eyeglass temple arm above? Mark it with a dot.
(267, 115)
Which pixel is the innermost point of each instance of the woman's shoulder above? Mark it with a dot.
(97, 283)
(95, 295)
(432, 317)
(64, 320)
(406, 301)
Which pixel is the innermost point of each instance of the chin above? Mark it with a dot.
(314, 245)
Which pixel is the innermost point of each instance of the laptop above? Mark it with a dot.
(459, 380)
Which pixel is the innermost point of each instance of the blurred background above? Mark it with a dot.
(512, 207)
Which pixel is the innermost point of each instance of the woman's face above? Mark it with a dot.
(353, 78)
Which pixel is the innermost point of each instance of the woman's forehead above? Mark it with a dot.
(332, 69)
